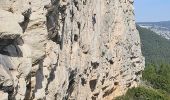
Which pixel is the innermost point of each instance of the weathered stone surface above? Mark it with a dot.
(69, 49)
(9, 28)
(4, 96)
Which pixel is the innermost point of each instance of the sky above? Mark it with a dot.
(152, 10)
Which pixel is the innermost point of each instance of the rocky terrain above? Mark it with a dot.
(160, 28)
(68, 49)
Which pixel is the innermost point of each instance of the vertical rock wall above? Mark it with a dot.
(68, 49)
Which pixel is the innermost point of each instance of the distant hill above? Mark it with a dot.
(161, 23)
(161, 28)
(155, 48)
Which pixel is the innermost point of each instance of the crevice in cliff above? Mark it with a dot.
(93, 98)
(84, 2)
(39, 78)
(76, 4)
(92, 84)
(28, 91)
(9, 90)
(26, 15)
(75, 37)
(83, 81)
(79, 27)
(72, 14)
(52, 75)
(55, 25)
(94, 64)
(72, 82)
(62, 36)
(10, 47)
(4, 43)
(52, 23)
(108, 92)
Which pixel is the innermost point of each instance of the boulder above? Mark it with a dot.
(9, 27)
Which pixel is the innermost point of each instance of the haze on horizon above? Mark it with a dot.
(152, 10)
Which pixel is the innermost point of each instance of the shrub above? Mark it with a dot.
(143, 93)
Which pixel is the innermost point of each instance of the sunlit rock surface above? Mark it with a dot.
(68, 49)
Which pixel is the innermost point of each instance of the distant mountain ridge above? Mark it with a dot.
(161, 28)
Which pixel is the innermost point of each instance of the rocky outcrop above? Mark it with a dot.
(68, 49)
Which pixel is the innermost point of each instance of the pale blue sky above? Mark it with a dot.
(152, 10)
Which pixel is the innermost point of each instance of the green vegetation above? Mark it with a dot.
(155, 48)
(143, 93)
(156, 76)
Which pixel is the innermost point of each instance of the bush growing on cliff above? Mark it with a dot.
(143, 93)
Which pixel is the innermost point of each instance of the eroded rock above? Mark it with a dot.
(68, 49)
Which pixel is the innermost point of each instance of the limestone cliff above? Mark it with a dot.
(68, 49)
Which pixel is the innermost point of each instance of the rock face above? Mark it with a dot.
(68, 49)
